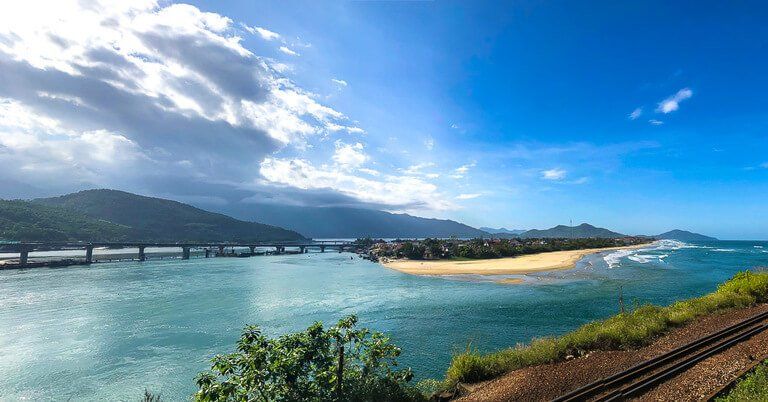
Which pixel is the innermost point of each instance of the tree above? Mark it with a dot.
(342, 363)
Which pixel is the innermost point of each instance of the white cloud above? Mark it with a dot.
(371, 172)
(128, 81)
(636, 113)
(431, 175)
(349, 155)
(288, 51)
(580, 180)
(454, 126)
(655, 122)
(402, 192)
(265, 34)
(463, 169)
(71, 155)
(468, 196)
(429, 143)
(339, 82)
(672, 103)
(553, 174)
(416, 169)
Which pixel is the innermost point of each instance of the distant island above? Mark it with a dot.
(111, 215)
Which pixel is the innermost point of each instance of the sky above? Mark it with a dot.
(636, 116)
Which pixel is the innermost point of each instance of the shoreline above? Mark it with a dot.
(523, 264)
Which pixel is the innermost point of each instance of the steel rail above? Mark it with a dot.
(604, 384)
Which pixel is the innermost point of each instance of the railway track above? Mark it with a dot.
(640, 378)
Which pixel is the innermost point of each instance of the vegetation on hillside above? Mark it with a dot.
(24, 221)
(752, 387)
(488, 248)
(160, 220)
(341, 363)
(630, 329)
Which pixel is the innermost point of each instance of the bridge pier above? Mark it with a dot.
(322, 249)
(23, 256)
(253, 249)
(302, 249)
(185, 253)
(89, 254)
(142, 254)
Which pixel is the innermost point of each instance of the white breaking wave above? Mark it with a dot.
(724, 250)
(641, 255)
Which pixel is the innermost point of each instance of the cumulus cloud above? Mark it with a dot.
(128, 94)
(461, 171)
(636, 113)
(288, 51)
(672, 103)
(349, 155)
(396, 192)
(265, 34)
(553, 174)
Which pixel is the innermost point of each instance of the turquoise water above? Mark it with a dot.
(108, 331)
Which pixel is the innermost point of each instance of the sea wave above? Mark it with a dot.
(642, 256)
(724, 250)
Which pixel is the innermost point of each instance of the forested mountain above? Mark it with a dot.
(341, 222)
(156, 219)
(581, 231)
(26, 221)
(503, 231)
(684, 235)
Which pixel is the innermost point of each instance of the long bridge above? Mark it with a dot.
(24, 248)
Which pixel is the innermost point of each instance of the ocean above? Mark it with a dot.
(109, 331)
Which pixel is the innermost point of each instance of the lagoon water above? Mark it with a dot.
(109, 331)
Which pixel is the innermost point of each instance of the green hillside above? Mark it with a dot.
(161, 220)
(584, 230)
(25, 221)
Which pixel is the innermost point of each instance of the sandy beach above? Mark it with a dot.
(523, 264)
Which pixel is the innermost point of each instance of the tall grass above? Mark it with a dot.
(752, 387)
(626, 330)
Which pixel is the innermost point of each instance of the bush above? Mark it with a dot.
(752, 387)
(341, 363)
(625, 330)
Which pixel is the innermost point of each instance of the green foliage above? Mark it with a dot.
(156, 219)
(496, 248)
(25, 221)
(752, 387)
(631, 329)
(304, 366)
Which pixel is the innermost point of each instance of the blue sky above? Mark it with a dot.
(640, 117)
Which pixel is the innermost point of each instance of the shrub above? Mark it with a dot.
(752, 387)
(341, 363)
(625, 330)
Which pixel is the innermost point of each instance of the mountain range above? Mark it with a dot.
(683, 235)
(562, 231)
(502, 231)
(341, 222)
(112, 215)
(117, 215)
